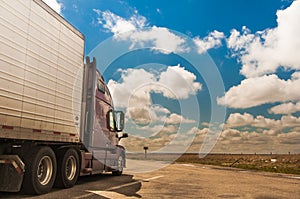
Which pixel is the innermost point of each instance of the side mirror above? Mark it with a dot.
(119, 119)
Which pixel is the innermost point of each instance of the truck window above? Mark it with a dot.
(111, 121)
(101, 86)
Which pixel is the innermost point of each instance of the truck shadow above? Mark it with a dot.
(124, 184)
(91, 187)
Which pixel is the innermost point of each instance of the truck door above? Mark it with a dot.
(104, 138)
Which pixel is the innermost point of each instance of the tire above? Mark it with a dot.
(40, 171)
(120, 165)
(68, 168)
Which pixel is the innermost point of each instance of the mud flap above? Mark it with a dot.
(11, 172)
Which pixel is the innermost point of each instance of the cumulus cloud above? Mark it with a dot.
(285, 108)
(256, 91)
(136, 85)
(127, 90)
(246, 119)
(230, 141)
(290, 121)
(158, 38)
(134, 29)
(116, 24)
(160, 130)
(199, 132)
(141, 115)
(234, 140)
(213, 40)
(291, 138)
(177, 119)
(55, 5)
(149, 116)
(265, 51)
(179, 82)
(137, 30)
(133, 93)
(237, 119)
(160, 109)
(237, 41)
(261, 54)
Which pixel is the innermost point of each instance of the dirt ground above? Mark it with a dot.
(279, 163)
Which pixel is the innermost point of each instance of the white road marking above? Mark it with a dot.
(109, 192)
(153, 178)
(123, 185)
(294, 177)
(187, 165)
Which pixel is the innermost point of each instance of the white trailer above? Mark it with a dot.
(53, 126)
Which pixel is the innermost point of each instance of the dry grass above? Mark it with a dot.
(278, 163)
(272, 163)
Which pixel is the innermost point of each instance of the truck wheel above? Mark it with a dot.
(120, 163)
(40, 171)
(68, 163)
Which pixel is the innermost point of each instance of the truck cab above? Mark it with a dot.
(102, 125)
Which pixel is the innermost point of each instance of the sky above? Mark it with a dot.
(198, 76)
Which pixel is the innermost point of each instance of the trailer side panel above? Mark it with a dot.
(41, 73)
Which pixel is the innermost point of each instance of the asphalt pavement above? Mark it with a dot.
(150, 179)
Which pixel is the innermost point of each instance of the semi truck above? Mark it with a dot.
(57, 119)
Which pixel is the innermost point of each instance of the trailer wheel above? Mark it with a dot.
(40, 171)
(120, 165)
(68, 172)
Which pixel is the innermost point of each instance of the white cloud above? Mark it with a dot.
(55, 5)
(137, 30)
(213, 40)
(141, 115)
(136, 85)
(272, 132)
(246, 119)
(256, 91)
(198, 132)
(291, 138)
(127, 91)
(150, 116)
(237, 42)
(164, 131)
(285, 108)
(295, 75)
(237, 119)
(157, 130)
(160, 109)
(261, 54)
(229, 133)
(262, 122)
(230, 141)
(265, 51)
(290, 121)
(158, 38)
(134, 29)
(117, 24)
(133, 92)
(179, 82)
(178, 119)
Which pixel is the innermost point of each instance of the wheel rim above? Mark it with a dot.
(71, 168)
(45, 170)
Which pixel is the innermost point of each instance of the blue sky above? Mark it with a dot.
(254, 103)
